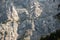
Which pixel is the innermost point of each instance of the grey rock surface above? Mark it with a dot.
(28, 19)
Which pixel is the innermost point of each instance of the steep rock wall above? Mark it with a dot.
(28, 20)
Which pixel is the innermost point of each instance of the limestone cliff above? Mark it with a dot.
(28, 19)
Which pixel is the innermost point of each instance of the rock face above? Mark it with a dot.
(28, 19)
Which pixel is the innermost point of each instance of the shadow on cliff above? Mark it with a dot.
(47, 18)
(38, 22)
(3, 17)
(52, 36)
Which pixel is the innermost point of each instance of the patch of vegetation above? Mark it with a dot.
(52, 36)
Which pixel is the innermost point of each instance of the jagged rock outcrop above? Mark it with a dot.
(8, 22)
(28, 19)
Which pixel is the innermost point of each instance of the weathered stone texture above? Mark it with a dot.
(28, 19)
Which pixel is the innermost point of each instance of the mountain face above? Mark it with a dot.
(28, 19)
